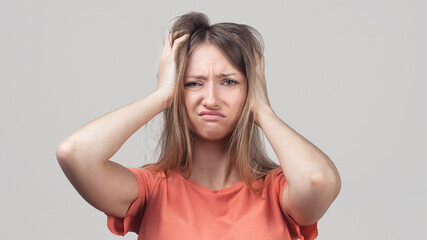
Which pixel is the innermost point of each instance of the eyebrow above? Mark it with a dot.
(204, 77)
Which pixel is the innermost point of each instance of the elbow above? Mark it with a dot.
(326, 183)
(65, 152)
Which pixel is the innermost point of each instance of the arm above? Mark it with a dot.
(84, 155)
(313, 180)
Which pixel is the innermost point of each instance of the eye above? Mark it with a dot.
(191, 84)
(229, 82)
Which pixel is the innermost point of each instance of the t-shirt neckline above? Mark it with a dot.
(205, 189)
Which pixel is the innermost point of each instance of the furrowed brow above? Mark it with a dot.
(201, 77)
(226, 74)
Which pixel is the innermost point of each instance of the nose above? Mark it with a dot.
(211, 99)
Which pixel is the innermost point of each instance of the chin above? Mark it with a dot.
(213, 136)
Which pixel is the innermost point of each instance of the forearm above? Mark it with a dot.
(304, 165)
(98, 140)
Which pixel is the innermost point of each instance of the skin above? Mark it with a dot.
(84, 155)
(313, 181)
(212, 85)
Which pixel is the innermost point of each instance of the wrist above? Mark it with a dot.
(165, 97)
(262, 113)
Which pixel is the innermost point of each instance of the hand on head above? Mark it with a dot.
(167, 66)
(260, 96)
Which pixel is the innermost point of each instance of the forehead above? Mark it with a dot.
(207, 58)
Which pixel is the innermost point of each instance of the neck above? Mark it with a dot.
(211, 166)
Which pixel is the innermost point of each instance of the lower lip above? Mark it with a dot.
(211, 117)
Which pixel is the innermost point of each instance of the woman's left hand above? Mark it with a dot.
(313, 182)
(260, 97)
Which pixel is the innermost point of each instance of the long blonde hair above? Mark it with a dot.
(239, 43)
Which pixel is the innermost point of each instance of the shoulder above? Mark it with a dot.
(147, 175)
(275, 174)
(275, 180)
(150, 170)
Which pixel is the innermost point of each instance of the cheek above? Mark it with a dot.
(189, 101)
(190, 105)
(242, 99)
(238, 102)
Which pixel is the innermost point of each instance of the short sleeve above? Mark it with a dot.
(133, 219)
(302, 232)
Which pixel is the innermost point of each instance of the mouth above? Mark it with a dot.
(211, 115)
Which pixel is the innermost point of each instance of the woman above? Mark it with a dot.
(213, 179)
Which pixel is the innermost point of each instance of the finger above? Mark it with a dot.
(179, 41)
(262, 62)
(257, 55)
(258, 59)
(167, 45)
(168, 39)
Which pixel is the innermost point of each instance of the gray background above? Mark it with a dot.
(348, 75)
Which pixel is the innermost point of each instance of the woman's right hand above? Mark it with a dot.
(167, 66)
(84, 155)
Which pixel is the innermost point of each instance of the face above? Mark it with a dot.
(214, 93)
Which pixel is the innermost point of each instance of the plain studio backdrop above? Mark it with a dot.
(348, 75)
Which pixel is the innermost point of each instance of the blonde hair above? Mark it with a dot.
(239, 43)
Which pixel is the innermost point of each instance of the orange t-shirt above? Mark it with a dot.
(179, 208)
